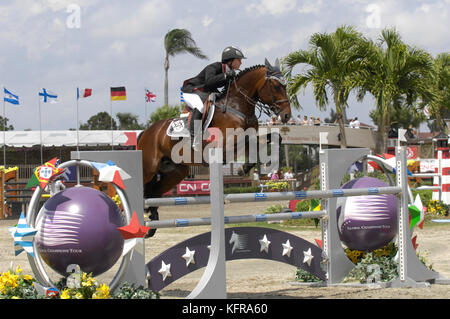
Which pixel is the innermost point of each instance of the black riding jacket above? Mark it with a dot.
(209, 80)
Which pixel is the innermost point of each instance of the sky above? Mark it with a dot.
(61, 45)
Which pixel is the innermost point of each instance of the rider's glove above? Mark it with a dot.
(230, 74)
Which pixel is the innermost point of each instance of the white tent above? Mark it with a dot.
(65, 138)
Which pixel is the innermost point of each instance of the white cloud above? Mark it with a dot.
(131, 21)
(261, 47)
(425, 26)
(207, 20)
(273, 7)
(119, 46)
(310, 6)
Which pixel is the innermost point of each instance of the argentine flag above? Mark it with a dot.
(48, 96)
(10, 98)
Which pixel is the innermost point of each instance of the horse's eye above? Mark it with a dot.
(277, 87)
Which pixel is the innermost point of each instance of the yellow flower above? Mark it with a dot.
(28, 277)
(65, 294)
(18, 269)
(101, 292)
(78, 295)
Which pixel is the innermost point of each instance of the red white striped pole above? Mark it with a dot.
(443, 158)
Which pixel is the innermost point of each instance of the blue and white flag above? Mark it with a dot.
(23, 236)
(10, 98)
(181, 95)
(48, 96)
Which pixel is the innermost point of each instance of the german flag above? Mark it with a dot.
(118, 93)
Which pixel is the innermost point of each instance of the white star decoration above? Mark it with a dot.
(189, 256)
(308, 257)
(235, 241)
(264, 244)
(287, 248)
(165, 270)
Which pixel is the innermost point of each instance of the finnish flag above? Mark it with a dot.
(10, 98)
(48, 96)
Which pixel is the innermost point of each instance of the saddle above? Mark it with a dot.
(179, 127)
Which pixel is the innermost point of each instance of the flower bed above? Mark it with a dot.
(15, 285)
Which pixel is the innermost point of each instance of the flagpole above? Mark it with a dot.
(40, 128)
(145, 120)
(78, 139)
(4, 129)
(112, 135)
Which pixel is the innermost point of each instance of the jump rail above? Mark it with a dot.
(170, 223)
(254, 197)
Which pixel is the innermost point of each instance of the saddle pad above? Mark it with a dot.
(179, 127)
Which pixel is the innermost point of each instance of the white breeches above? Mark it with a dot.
(194, 101)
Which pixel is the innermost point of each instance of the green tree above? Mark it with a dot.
(128, 121)
(166, 112)
(402, 117)
(99, 121)
(4, 124)
(439, 107)
(178, 41)
(395, 74)
(327, 69)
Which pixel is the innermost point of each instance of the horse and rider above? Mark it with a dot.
(196, 90)
(258, 87)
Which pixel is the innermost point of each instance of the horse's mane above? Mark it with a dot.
(241, 74)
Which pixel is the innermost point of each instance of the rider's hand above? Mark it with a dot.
(230, 74)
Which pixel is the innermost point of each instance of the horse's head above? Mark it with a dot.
(273, 92)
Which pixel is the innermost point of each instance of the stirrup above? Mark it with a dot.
(196, 143)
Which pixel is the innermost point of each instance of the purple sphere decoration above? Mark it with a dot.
(79, 226)
(366, 222)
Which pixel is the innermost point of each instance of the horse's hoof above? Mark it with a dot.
(150, 233)
(152, 216)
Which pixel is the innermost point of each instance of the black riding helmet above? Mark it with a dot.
(232, 53)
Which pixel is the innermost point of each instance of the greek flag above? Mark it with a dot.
(10, 98)
(181, 95)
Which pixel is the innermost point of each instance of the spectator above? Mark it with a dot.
(288, 175)
(305, 120)
(274, 176)
(311, 120)
(354, 123)
(291, 121)
(317, 121)
(278, 119)
(299, 120)
(255, 175)
(274, 120)
(350, 124)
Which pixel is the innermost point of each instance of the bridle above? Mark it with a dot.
(268, 109)
(275, 106)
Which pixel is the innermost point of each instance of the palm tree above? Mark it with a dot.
(396, 74)
(328, 69)
(440, 106)
(178, 41)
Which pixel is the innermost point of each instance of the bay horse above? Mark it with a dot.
(257, 86)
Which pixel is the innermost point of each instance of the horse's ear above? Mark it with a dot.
(277, 64)
(267, 63)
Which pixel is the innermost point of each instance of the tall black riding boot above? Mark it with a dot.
(195, 130)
